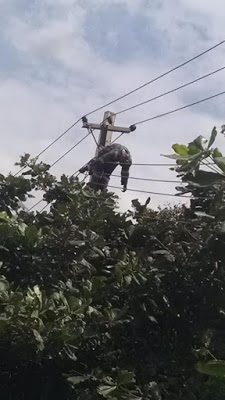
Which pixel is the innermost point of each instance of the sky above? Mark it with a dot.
(62, 58)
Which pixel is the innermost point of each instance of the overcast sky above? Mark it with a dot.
(62, 58)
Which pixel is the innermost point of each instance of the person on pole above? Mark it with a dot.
(102, 166)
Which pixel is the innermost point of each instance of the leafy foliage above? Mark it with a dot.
(95, 304)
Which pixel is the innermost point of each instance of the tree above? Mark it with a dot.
(95, 304)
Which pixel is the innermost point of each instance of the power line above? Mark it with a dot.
(121, 134)
(77, 172)
(68, 151)
(157, 78)
(36, 204)
(123, 96)
(134, 190)
(46, 205)
(149, 179)
(158, 193)
(180, 108)
(152, 118)
(160, 96)
(91, 130)
(51, 144)
(139, 179)
(170, 91)
(152, 165)
(118, 176)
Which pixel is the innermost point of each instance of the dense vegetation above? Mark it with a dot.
(95, 304)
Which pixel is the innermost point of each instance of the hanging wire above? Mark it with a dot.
(91, 130)
(121, 134)
(77, 173)
(123, 96)
(68, 151)
(35, 205)
(51, 144)
(158, 193)
(140, 179)
(149, 179)
(157, 78)
(46, 205)
(148, 119)
(137, 123)
(180, 108)
(170, 91)
(163, 95)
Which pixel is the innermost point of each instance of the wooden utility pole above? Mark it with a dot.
(106, 129)
(105, 136)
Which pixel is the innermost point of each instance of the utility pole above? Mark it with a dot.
(105, 136)
(106, 129)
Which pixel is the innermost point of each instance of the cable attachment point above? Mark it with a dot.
(84, 120)
(132, 128)
(110, 121)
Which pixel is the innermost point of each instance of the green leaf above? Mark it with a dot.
(4, 217)
(193, 149)
(203, 178)
(207, 338)
(212, 137)
(38, 293)
(191, 164)
(4, 285)
(203, 214)
(180, 149)
(175, 156)
(70, 351)
(169, 257)
(74, 303)
(217, 153)
(200, 142)
(75, 380)
(131, 396)
(125, 377)
(118, 274)
(31, 234)
(128, 279)
(220, 159)
(105, 390)
(214, 368)
(39, 340)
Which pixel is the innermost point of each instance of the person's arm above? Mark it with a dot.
(125, 176)
(88, 166)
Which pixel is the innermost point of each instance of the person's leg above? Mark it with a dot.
(96, 177)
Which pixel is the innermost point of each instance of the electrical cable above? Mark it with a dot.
(51, 144)
(140, 179)
(180, 108)
(91, 130)
(68, 151)
(153, 118)
(121, 134)
(125, 95)
(163, 95)
(150, 179)
(157, 78)
(170, 91)
(36, 204)
(55, 162)
(159, 193)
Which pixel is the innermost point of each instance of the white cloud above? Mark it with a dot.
(63, 76)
